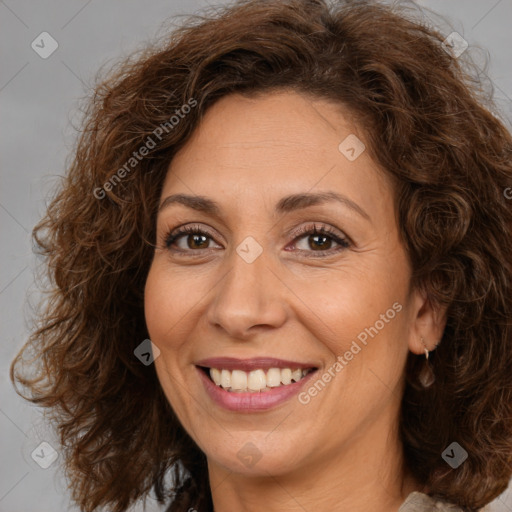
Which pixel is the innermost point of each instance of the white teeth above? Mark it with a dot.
(286, 376)
(225, 379)
(296, 375)
(273, 377)
(216, 376)
(238, 380)
(256, 380)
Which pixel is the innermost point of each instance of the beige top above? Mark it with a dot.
(419, 502)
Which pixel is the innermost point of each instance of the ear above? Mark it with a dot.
(428, 322)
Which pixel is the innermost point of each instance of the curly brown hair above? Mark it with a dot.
(425, 122)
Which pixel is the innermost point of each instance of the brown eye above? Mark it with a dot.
(318, 242)
(321, 240)
(188, 238)
(196, 241)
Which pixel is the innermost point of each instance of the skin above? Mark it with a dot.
(341, 450)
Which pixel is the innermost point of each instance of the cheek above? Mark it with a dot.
(360, 311)
(154, 303)
(348, 301)
(163, 305)
(163, 310)
(166, 300)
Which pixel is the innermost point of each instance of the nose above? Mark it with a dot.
(250, 298)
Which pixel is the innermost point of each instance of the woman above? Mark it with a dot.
(304, 209)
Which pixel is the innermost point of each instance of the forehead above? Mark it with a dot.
(252, 150)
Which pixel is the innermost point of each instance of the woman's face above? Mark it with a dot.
(260, 288)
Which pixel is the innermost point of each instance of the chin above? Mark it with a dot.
(255, 457)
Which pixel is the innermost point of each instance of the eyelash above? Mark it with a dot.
(344, 243)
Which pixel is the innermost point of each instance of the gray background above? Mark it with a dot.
(38, 101)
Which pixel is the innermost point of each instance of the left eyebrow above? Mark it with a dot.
(297, 201)
(284, 205)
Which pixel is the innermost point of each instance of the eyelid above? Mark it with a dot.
(183, 230)
(318, 226)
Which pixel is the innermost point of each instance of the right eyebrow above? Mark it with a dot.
(199, 203)
(284, 205)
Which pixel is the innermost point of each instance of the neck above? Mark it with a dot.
(366, 473)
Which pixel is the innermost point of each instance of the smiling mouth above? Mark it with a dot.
(255, 381)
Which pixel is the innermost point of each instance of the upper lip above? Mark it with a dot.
(255, 363)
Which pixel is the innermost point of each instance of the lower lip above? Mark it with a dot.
(250, 402)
